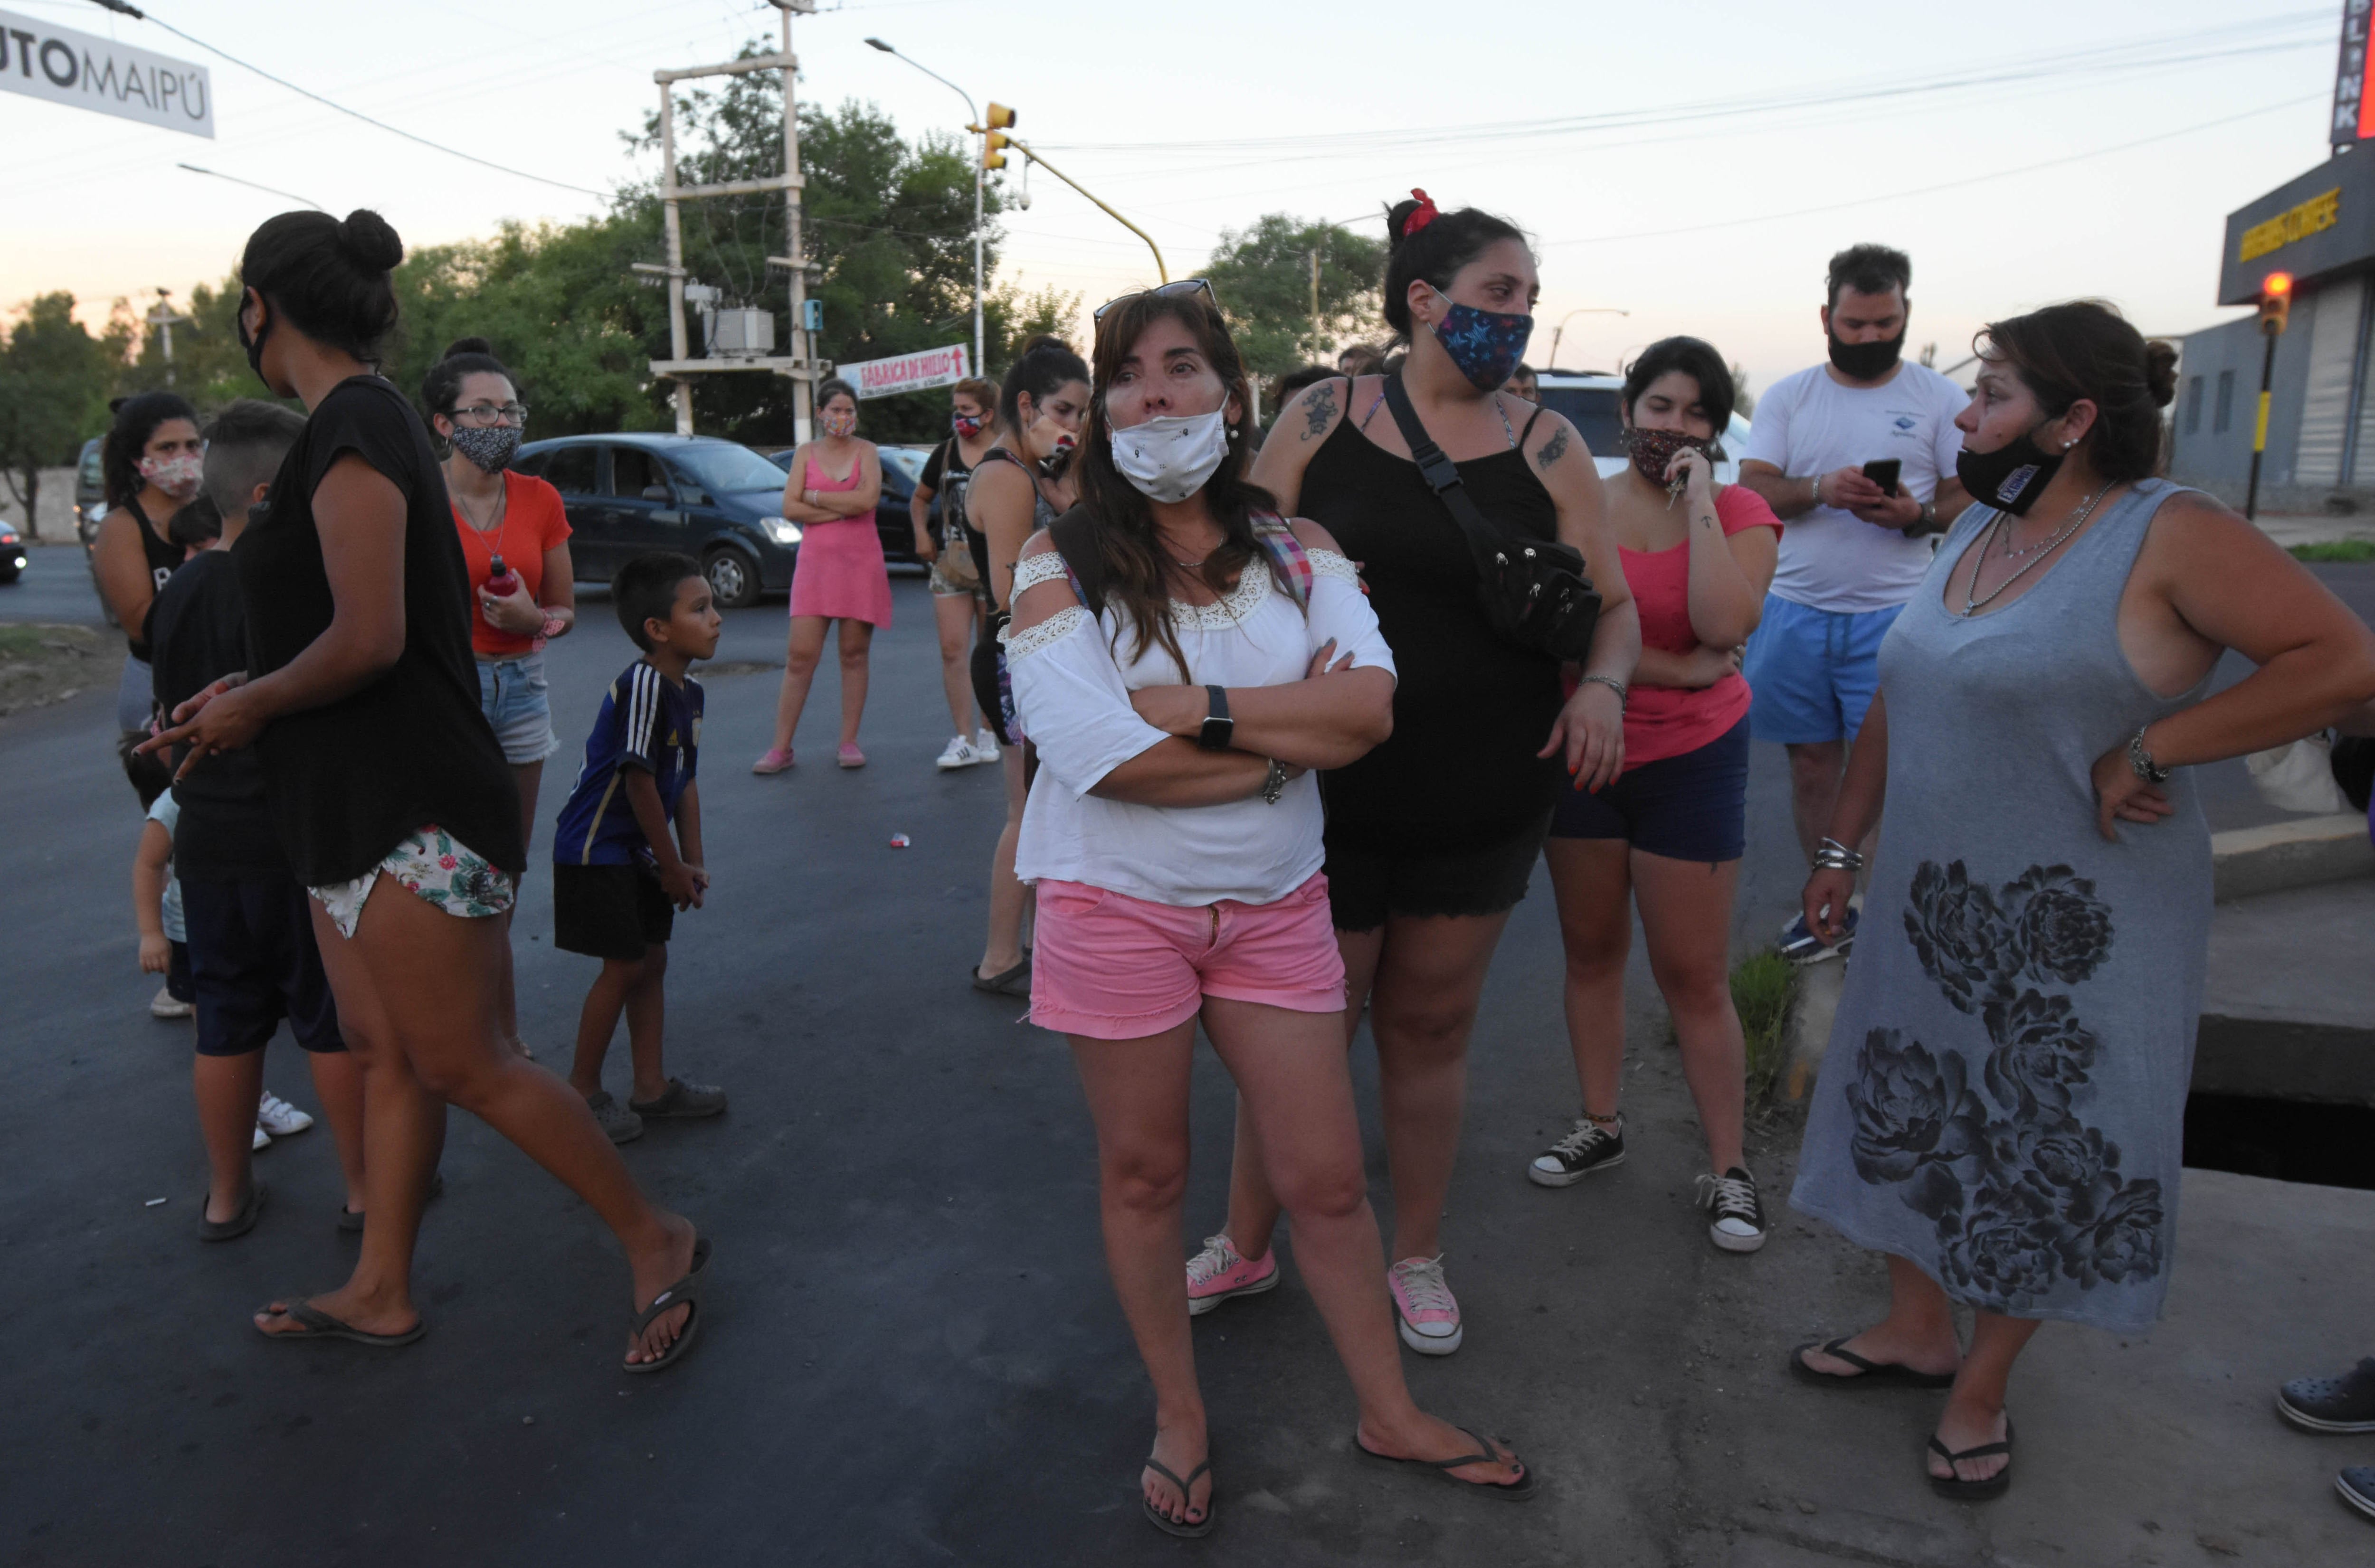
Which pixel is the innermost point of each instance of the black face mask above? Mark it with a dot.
(1866, 361)
(254, 346)
(2012, 477)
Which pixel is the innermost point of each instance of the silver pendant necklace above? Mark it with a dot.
(2000, 527)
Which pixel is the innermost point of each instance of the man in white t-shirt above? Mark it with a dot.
(1852, 549)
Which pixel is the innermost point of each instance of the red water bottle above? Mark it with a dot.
(500, 580)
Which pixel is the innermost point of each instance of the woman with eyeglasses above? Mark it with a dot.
(1020, 486)
(835, 482)
(1183, 657)
(1432, 836)
(516, 542)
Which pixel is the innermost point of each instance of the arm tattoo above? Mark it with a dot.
(1318, 411)
(1553, 448)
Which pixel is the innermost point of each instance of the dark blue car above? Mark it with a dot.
(716, 500)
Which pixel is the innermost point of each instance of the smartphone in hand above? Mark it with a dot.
(1883, 471)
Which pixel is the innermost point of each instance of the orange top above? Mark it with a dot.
(533, 523)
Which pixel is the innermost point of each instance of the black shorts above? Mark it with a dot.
(1693, 806)
(1365, 885)
(609, 912)
(993, 690)
(178, 984)
(254, 961)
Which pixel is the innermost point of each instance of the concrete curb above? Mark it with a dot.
(2298, 853)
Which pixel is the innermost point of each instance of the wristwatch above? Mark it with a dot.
(1274, 784)
(1928, 523)
(2140, 760)
(1219, 728)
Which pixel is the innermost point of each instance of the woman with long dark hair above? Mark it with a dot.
(1432, 836)
(1020, 486)
(945, 539)
(2001, 1114)
(1182, 658)
(151, 465)
(395, 803)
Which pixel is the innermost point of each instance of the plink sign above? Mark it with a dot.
(43, 60)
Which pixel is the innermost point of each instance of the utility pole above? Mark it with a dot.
(803, 391)
(164, 317)
(2275, 311)
(1315, 302)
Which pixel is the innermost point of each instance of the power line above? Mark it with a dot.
(124, 8)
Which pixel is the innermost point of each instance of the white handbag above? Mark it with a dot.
(2299, 778)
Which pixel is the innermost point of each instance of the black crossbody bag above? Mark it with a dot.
(1534, 591)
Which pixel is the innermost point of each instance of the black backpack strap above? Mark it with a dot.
(1076, 540)
(1442, 476)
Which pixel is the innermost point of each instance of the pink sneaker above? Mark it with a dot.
(777, 758)
(1430, 1318)
(1218, 1273)
(850, 756)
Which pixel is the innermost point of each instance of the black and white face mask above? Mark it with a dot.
(490, 447)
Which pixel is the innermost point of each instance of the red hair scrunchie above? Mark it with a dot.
(1427, 213)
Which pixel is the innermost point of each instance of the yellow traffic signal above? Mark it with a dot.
(991, 143)
(1001, 118)
(2276, 302)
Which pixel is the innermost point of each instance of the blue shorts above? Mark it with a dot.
(1813, 672)
(513, 695)
(254, 961)
(1693, 806)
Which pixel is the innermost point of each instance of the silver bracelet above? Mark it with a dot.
(1832, 856)
(1624, 692)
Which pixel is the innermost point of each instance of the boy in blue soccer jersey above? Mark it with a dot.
(618, 876)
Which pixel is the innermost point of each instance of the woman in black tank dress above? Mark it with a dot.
(151, 463)
(1431, 836)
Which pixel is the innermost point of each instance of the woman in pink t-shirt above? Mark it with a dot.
(1668, 830)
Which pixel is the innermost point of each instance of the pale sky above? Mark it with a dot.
(1193, 118)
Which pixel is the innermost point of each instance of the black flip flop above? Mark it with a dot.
(351, 1223)
(1518, 1491)
(1164, 1522)
(1015, 982)
(1875, 1374)
(320, 1325)
(684, 1292)
(238, 1224)
(1973, 1491)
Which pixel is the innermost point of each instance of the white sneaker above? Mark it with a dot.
(263, 1139)
(958, 753)
(165, 1004)
(278, 1117)
(984, 744)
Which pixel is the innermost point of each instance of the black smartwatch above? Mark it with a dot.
(1219, 728)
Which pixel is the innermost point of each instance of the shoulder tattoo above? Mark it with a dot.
(1555, 448)
(1318, 410)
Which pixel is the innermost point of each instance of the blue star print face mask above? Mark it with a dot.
(1485, 345)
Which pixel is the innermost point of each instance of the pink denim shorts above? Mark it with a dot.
(1114, 967)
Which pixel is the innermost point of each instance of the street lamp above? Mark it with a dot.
(251, 184)
(973, 118)
(1560, 330)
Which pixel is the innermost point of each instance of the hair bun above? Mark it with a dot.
(369, 241)
(468, 346)
(1397, 217)
(2160, 372)
(1045, 340)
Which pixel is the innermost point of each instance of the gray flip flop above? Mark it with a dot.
(320, 1325)
(1165, 1522)
(1518, 1491)
(238, 1224)
(684, 1292)
(1015, 982)
(1872, 1373)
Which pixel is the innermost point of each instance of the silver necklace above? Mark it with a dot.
(2000, 526)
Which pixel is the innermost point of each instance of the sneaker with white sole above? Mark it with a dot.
(262, 1141)
(1799, 944)
(1221, 1273)
(958, 753)
(278, 1117)
(1735, 1213)
(1592, 1145)
(1428, 1315)
(984, 744)
(164, 1003)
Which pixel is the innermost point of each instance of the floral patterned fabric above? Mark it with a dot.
(2003, 1096)
(431, 864)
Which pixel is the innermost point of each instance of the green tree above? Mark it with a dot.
(54, 385)
(1264, 276)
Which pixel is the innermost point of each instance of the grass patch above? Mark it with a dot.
(2335, 549)
(1763, 986)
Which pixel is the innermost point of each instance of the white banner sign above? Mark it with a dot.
(44, 60)
(907, 372)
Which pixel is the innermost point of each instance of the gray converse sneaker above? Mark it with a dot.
(1593, 1146)
(619, 1124)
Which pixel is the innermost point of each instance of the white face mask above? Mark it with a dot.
(1170, 457)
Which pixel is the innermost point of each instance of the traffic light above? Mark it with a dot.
(1000, 118)
(2276, 302)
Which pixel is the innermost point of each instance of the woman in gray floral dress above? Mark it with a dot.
(2002, 1109)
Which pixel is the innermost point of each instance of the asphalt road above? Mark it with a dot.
(913, 1355)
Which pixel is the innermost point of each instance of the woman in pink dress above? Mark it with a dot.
(836, 480)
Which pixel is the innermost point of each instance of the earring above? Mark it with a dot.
(2068, 444)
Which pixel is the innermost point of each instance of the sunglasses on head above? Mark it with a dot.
(1167, 291)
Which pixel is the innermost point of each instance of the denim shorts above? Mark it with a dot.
(513, 695)
(1693, 806)
(1814, 672)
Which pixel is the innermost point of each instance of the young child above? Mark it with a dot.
(617, 876)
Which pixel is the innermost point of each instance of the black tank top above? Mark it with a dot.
(164, 558)
(1471, 708)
